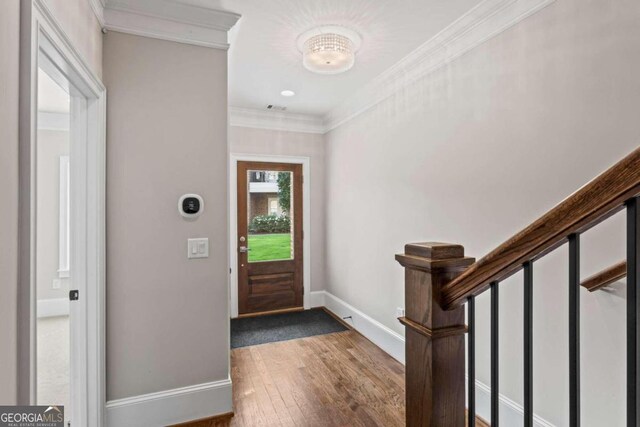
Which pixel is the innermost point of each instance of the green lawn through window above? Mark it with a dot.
(268, 247)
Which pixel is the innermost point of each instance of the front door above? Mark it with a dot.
(269, 240)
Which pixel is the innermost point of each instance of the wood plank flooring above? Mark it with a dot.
(338, 379)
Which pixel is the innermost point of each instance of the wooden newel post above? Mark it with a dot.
(435, 345)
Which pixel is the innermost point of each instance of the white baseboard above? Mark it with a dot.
(316, 299)
(388, 340)
(511, 413)
(171, 406)
(52, 307)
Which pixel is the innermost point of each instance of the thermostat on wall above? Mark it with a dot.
(190, 205)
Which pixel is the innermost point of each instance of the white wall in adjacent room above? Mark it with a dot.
(52, 144)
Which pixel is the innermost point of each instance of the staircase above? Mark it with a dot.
(440, 280)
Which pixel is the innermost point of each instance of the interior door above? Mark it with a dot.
(269, 241)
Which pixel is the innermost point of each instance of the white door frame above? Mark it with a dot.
(233, 221)
(51, 49)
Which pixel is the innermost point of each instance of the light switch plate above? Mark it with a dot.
(198, 248)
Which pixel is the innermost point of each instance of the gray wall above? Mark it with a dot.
(9, 64)
(280, 143)
(476, 151)
(167, 316)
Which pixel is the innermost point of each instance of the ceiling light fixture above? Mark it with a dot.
(330, 49)
(287, 93)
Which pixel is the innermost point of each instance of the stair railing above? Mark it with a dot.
(440, 280)
(605, 277)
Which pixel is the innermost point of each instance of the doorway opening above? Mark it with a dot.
(62, 207)
(53, 243)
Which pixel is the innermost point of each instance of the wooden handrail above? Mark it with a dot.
(605, 277)
(591, 204)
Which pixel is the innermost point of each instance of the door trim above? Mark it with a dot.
(44, 42)
(234, 158)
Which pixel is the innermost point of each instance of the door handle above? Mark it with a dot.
(244, 249)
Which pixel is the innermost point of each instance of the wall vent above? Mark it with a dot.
(276, 107)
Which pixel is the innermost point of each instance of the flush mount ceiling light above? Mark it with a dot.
(330, 49)
(287, 92)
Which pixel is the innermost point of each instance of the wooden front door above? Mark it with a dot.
(269, 241)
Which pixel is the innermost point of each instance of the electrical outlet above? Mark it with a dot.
(399, 312)
(56, 284)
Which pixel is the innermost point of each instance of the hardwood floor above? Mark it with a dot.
(338, 379)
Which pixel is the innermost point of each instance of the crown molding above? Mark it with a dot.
(486, 20)
(275, 120)
(170, 20)
(98, 9)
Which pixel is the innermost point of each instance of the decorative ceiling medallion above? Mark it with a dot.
(329, 49)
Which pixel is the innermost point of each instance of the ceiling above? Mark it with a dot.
(264, 60)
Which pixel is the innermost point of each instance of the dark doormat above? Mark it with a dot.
(282, 327)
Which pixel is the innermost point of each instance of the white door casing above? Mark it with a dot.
(51, 50)
(233, 226)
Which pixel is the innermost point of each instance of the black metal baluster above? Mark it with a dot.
(574, 330)
(471, 336)
(528, 344)
(633, 277)
(495, 365)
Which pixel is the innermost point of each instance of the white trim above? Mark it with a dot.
(172, 406)
(275, 120)
(317, 299)
(511, 413)
(171, 20)
(179, 11)
(388, 340)
(486, 20)
(98, 10)
(61, 41)
(234, 158)
(53, 121)
(53, 307)
(52, 48)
